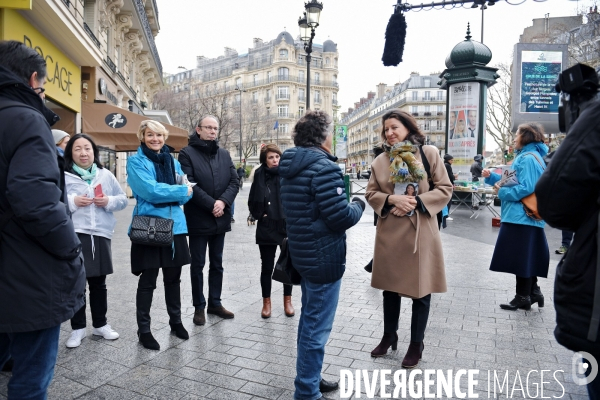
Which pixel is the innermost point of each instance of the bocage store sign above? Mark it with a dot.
(64, 77)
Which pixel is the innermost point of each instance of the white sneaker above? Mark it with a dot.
(106, 332)
(75, 339)
(449, 219)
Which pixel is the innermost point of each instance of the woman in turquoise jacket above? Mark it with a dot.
(521, 248)
(153, 174)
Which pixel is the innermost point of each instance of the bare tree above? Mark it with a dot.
(499, 100)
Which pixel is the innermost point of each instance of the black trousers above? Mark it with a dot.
(526, 285)
(267, 256)
(145, 291)
(420, 315)
(98, 304)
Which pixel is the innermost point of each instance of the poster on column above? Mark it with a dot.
(463, 120)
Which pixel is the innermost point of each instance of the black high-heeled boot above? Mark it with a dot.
(148, 341)
(522, 302)
(179, 331)
(388, 339)
(537, 296)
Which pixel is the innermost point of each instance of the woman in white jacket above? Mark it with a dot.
(93, 194)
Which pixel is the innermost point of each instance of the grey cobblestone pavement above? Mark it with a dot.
(253, 358)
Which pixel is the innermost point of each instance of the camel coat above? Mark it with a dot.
(408, 255)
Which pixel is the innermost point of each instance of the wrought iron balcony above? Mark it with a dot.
(111, 64)
(91, 35)
(283, 96)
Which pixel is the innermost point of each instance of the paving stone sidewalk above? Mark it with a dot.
(253, 358)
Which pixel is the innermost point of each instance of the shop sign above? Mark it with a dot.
(115, 120)
(63, 76)
(17, 4)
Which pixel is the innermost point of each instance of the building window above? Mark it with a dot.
(335, 79)
(414, 109)
(283, 54)
(317, 77)
(317, 96)
(301, 77)
(269, 77)
(283, 147)
(226, 85)
(254, 97)
(427, 82)
(439, 125)
(426, 125)
(282, 111)
(440, 109)
(428, 109)
(440, 95)
(283, 73)
(415, 96)
(335, 60)
(282, 92)
(254, 132)
(327, 61)
(255, 79)
(283, 128)
(268, 94)
(427, 95)
(300, 111)
(301, 95)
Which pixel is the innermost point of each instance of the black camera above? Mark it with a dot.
(578, 85)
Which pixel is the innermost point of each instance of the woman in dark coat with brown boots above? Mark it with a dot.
(264, 203)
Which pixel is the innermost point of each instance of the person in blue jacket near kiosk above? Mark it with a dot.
(153, 175)
(521, 248)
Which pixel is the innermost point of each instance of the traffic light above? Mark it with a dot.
(506, 154)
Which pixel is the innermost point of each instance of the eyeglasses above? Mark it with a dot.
(41, 89)
(210, 128)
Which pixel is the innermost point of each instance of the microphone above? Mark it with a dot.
(395, 33)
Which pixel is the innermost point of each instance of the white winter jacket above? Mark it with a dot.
(94, 220)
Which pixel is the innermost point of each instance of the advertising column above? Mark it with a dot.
(463, 122)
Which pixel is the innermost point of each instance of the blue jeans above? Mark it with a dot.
(198, 245)
(319, 302)
(34, 355)
(232, 209)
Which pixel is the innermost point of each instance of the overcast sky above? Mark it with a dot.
(189, 28)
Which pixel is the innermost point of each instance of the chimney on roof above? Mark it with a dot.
(350, 109)
(230, 52)
(381, 90)
(257, 42)
(370, 95)
(356, 105)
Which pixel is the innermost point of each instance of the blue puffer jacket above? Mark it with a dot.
(152, 196)
(318, 214)
(529, 171)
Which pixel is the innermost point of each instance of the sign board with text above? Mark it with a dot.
(463, 122)
(63, 76)
(535, 71)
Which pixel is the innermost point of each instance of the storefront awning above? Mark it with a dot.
(117, 128)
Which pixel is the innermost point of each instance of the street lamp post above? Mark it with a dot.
(241, 91)
(308, 23)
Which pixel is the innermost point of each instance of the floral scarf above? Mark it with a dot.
(404, 167)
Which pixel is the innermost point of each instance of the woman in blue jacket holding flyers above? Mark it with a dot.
(521, 248)
(153, 174)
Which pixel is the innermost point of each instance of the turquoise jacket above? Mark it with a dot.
(152, 197)
(529, 171)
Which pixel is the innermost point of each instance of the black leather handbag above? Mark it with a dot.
(284, 271)
(151, 231)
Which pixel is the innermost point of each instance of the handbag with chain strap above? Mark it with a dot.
(151, 231)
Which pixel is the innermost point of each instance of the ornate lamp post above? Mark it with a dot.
(308, 23)
(241, 91)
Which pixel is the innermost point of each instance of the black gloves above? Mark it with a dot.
(360, 202)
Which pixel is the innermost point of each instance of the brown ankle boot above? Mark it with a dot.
(266, 310)
(389, 339)
(288, 308)
(413, 355)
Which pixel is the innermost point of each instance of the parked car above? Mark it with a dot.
(366, 174)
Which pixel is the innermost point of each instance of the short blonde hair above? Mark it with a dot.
(154, 126)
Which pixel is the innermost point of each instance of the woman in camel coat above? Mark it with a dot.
(408, 260)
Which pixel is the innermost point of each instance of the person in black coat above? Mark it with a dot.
(264, 203)
(42, 276)
(568, 195)
(208, 213)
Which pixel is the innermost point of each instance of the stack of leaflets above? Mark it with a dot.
(509, 178)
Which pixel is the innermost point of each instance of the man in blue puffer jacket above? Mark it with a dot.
(318, 215)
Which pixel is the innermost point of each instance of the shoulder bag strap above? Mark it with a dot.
(425, 162)
(595, 321)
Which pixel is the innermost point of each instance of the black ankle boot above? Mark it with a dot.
(537, 296)
(148, 341)
(369, 266)
(388, 339)
(180, 331)
(523, 302)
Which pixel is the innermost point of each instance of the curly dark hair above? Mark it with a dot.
(312, 129)
(531, 132)
(414, 133)
(270, 148)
